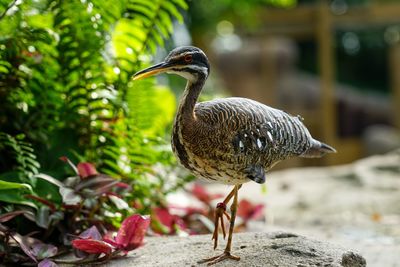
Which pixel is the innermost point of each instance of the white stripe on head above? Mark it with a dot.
(189, 75)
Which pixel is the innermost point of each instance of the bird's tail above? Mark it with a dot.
(317, 150)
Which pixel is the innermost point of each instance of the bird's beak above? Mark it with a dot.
(150, 71)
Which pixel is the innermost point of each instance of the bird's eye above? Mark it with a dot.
(188, 58)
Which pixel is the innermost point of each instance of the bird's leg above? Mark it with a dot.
(227, 251)
(220, 212)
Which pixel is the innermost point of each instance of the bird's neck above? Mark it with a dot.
(190, 96)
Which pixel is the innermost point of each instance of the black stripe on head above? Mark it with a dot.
(177, 56)
(201, 59)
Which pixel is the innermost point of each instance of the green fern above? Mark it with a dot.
(152, 21)
(21, 153)
(65, 76)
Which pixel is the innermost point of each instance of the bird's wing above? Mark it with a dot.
(252, 133)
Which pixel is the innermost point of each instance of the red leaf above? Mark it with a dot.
(92, 246)
(72, 165)
(130, 235)
(86, 169)
(249, 211)
(136, 204)
(109, 237)
(188, 211)
(122, 185)
(95, 185)
(201, 194)
(169, 220)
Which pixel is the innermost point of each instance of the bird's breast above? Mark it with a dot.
(202, 152)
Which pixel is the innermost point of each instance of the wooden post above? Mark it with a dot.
(324, 32)
(394, 61)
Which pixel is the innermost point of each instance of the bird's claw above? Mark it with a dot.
(223, 256)
(220, 212)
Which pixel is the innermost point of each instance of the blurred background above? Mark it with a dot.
(335, 63)
(66, 90)
(332, 62)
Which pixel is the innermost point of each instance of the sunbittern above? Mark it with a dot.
(232, 140)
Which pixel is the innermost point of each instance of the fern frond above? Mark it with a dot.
(65, 73)
(151, 22)
(21, 152)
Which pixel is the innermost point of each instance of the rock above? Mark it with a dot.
(381, 172)
(379, 139)
(255, 249)
(349, 259)
(354, 206)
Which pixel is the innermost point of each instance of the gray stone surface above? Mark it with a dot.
(352, 209)
(356, 206)
(281, 249)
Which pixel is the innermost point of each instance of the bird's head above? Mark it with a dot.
(187, 61)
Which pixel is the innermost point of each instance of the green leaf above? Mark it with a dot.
(15, 196)
(4, 69)
(9, 185)
(180, 3)
(69, 196)
(49, 179)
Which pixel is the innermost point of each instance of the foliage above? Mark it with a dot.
(65, 69)
(129, 237)
(86, 199)
(199, 219)
(21, 153)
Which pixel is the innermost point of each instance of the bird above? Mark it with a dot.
(230, 140)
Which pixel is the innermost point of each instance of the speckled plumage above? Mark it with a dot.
(235, 140)
(232, 140)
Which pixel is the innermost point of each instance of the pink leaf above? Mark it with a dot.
(91, 233)
(130, 235)
(109, 237)
(201, 194)
(25, 244)
(249, 211)
(86, 169)
(122, 185)
(167, 219)
(47, 263)
(92, 246)
(34, 248)
(188, 211)
(42, 251)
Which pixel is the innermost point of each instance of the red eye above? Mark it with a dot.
(188, 58)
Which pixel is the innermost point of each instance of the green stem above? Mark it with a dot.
(8, 8)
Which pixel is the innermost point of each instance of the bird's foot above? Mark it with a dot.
(220, 212)
(224, 256)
